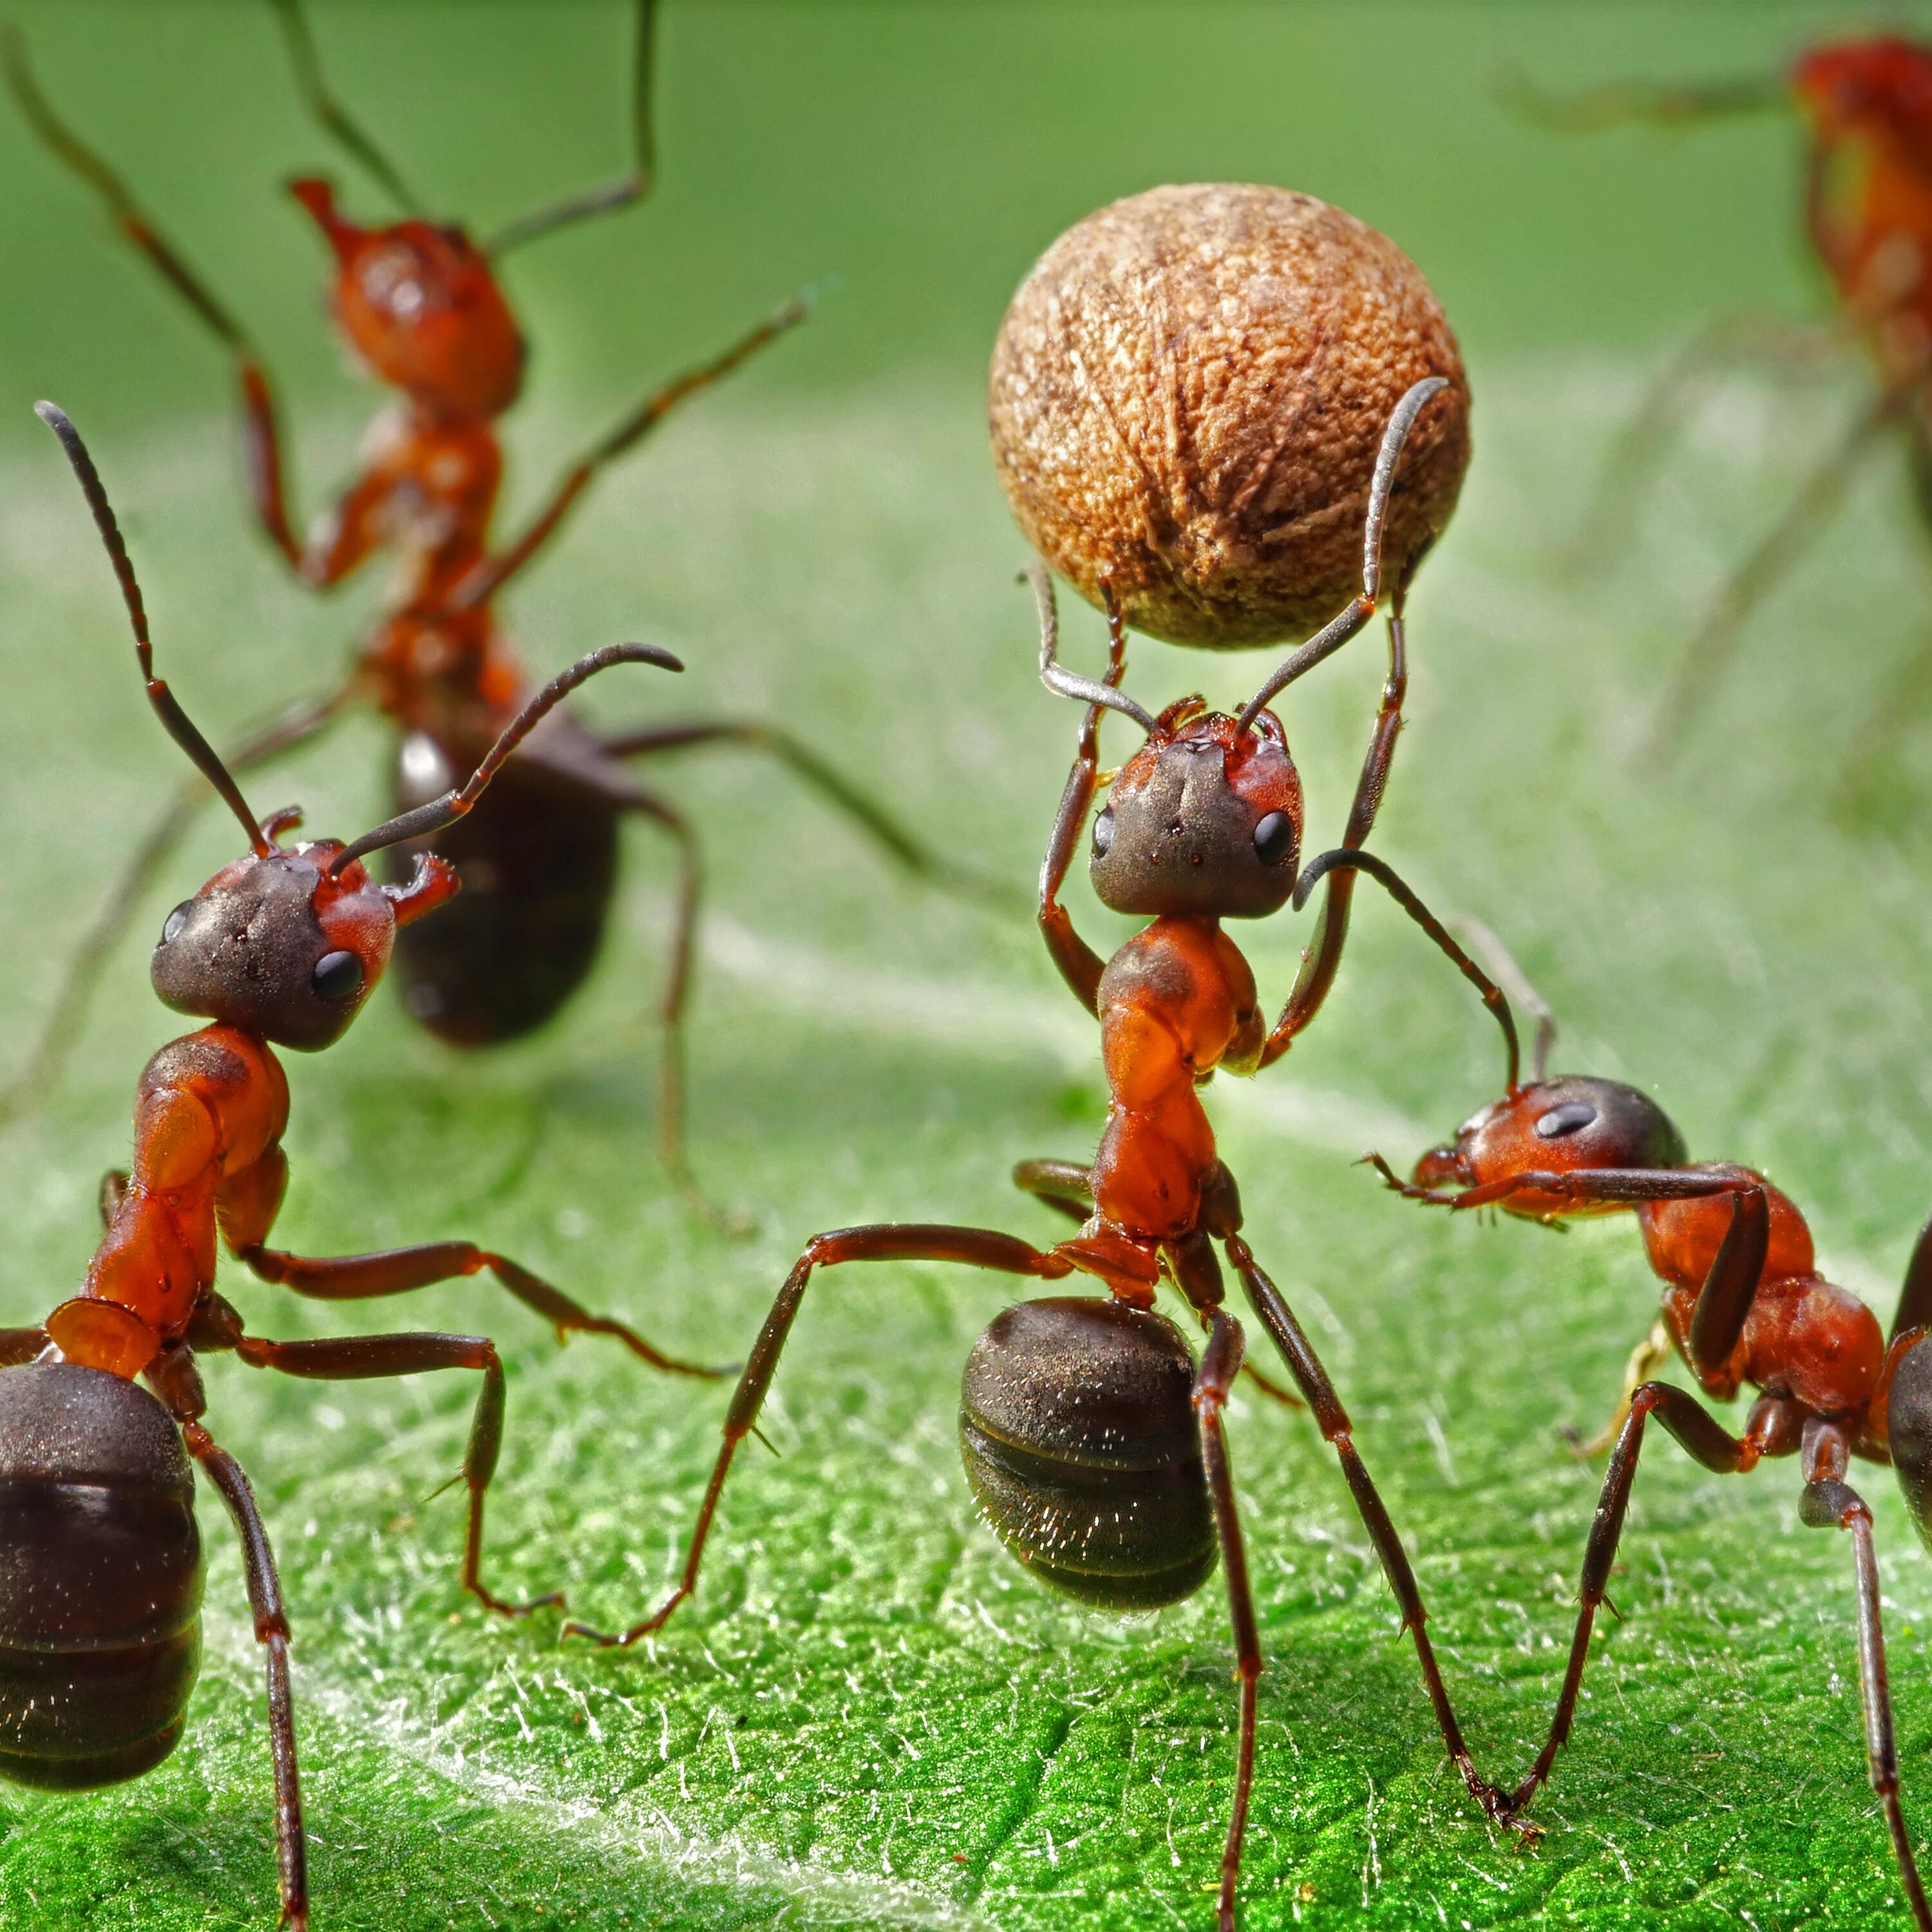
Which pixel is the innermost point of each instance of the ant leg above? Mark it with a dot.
(1668, 402)
(1220, 1361)
(609, 197)
(487, 578)
(332, 116)
(1723, 620)
(1645, 1359)
(49, 1057)
(20, 1345)
(1323, 957)
(271, 1632)
(1829, 1503)
(1066, 1186)
(886, 1241)
(1724, 1301)
(831, 785)
(397, 1270)
(262, 430)
(1701, 1436)
(362, 1357)
(113, 1192)
(1333, 1421)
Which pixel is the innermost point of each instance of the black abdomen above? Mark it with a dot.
(1077, 1426)
(99, 1578)
(539, 862)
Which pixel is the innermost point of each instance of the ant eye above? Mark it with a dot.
(1103, 833)
(172, 931)
(1566, 1119)
(1274, 839)
(338, 976)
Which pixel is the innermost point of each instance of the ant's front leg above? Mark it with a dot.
(362, 1277)
(1333, 1420)
(888, 1241)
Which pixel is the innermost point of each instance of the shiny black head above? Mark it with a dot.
(99, 1578)
(1077, 1426)
(1205, 819)
(285, 947)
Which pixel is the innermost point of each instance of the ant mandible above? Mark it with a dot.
(421, 304)
(99, 1606)
(1092, 1439)
(1867, 106)
(1743, 1304)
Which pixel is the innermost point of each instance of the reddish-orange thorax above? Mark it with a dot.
(208, 1106)
(1175, 1001)
(1867, 106)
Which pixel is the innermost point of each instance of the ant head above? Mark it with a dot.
(421, 305)
(1205, 818)
(1882, 84)
(1559, 1126)
(284, 945)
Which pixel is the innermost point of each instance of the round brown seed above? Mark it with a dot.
(1187, 398)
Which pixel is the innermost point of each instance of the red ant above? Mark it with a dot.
(1743, 1304)
(1092, 1439)
(420, 303)
(100, 1592)
(1867, 106)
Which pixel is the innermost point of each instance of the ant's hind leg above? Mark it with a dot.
(886, 1241)
(1333, 1421)
(361, 1357)
(1829, 1503)
(271, 1632)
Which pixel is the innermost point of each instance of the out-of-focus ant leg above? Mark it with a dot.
(1668, 402)
(890, 1241)
(1332, 1419)
(1829, 1502)
(360, 1277)
(49, 1054)
(263, 430)
(832, 785)
(1772, 1429)
(20, 1345)
(1709, 650)
(489, 577)
(1645, 1359)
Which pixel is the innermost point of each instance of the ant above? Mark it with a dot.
(100, 1595)
(420, 303)
(1867, 107)
(1092, 1438)
(1743, 1304)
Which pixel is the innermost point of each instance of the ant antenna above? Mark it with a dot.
(335, 118)
(1622, 104)
(1338, 631)
(432, 818)
(179, 726)
(608, 196)
(1346, 858)
(1497, 957)
(1071, 684)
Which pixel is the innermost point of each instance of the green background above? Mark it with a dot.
(870, 1717)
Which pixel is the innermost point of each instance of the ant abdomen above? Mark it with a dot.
(1908, 1431)
(99, 1578)
(1077, 1426)
(538, 859)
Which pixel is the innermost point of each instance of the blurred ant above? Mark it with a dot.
(1743, 1303)
(1092, 1439)
(420, 303)
(100, 1586)
(1866, 108)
